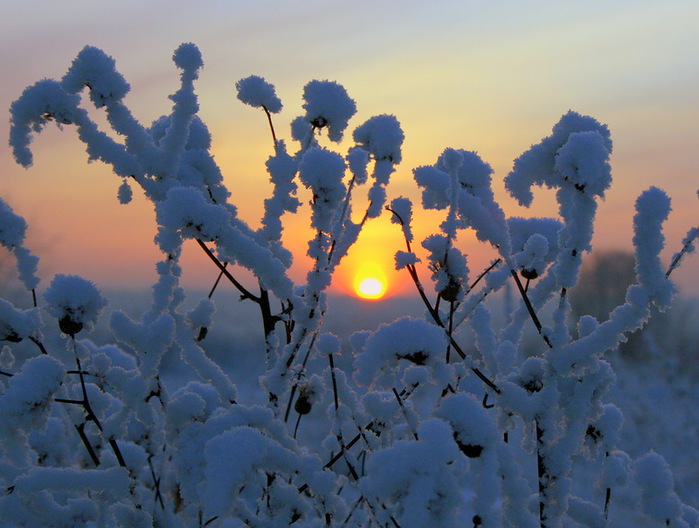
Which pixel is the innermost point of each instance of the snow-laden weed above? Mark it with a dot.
(423, 432)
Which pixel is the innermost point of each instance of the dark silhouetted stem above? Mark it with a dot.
(245, 294)
(542, 474)
(86, 442)
(38, 344)
(271, 125)
(530, 308)
(332, 375)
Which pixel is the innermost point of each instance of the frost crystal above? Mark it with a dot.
(469, 416)
(188, 57)
(96, 70)
(554, 160)
(15, 324)
(12, 226)
(328, 105)
(322, 172)
(26, 401)
(39, 104)
(125, 193)
(382, 137)
(12, 232)
(74, 301)
(258, 93)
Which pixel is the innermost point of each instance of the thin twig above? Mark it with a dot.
(299, 375)
(38, 344)
(530, 308)
(218, 279)
(90, 414)
(156, 483)
(412, 270)
(405, 411)
(450, 331)
(607, 497)
(332, 375)
(541, 472)
(245, 294)
(86, 442)
(482, 275)
(687, 247)
(296, 427)
(271, 125)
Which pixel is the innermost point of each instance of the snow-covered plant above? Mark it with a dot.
(426, 431)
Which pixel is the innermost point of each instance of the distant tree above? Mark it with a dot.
(604, 279)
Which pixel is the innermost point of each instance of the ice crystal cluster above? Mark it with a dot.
(421, 431)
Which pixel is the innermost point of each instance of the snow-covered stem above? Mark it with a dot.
(687, 248)
(404, 436)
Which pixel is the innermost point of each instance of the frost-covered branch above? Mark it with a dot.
(380, 428)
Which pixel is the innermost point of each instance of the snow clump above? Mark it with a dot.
(382, 137)
(258, 93)
(12, 232)
(328, 105)
(75, 302)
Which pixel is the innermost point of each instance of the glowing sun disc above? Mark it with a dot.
(371, 288)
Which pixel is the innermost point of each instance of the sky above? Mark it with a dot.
(488, 76)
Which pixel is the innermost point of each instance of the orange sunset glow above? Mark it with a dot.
(492, 78)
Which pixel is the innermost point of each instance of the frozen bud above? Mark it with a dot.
(405, 258)
(125, 194)
(382, 137)
(96, 70)
(26, 401)
(188, 57)
(12, 226)
(451, 159)
(473, 429)
(402, 209)
(473, 173)
(532, 258)
(303, 405)
(258, 93)
(328, 105)
(309, 393)
(38, 104)
(300, 128)
(548, 163)
(435, 186)
(357, 159)
(534, 243)
(403, 342)
(328, 344)
(532, 374)
(583, 161)
(15, 324)
(75, 302)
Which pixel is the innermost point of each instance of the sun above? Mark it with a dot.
(371, 288)
(370, 282)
